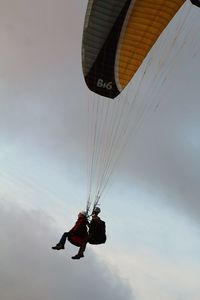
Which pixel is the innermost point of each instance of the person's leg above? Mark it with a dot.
(81, 250)
(61, 244)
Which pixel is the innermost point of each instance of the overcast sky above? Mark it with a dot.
(152, 206)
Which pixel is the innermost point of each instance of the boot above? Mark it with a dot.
(58, 247)
(77, 256)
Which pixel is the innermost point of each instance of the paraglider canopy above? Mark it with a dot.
(118, 34)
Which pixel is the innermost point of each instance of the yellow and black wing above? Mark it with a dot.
(117, 36)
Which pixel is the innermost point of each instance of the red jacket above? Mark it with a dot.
(78, 234)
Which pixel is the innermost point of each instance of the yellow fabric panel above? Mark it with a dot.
(146, 22)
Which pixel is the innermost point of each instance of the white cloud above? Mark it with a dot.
(152, 276)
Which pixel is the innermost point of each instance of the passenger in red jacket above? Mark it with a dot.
(97, 233)
(77, 235)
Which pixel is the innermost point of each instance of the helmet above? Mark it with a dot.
(96, 210)
(83, 213)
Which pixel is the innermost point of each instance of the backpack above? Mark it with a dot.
(97, 232)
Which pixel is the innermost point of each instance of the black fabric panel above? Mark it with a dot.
(196, 2)
(101, 76)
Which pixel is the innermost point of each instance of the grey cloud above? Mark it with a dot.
(31, 270)
(164, 156)
(43, 105)
(41, 74)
